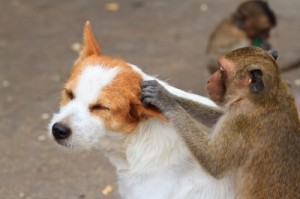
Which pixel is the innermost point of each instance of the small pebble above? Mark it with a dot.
(9, 99)
(76, 47)
(56, 78)
(5, 83)
(203, 7)
(297, 82)
(45, 116)
(21, 195)
(41, 138)
(112, 7)
(107, 190)
(81, 196)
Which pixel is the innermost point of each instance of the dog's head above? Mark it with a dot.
(101, 97)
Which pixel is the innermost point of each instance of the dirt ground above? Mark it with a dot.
(37, 40)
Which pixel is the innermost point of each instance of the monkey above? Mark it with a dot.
(256, 142)
(249, 25)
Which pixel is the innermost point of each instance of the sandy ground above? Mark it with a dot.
(36, 37)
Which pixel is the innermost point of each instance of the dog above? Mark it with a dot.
(101, 108)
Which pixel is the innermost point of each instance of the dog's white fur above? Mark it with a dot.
(152, 162)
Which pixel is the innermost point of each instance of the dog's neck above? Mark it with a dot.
(153, 146)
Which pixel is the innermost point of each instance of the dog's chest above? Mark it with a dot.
(190, 183)
(159, 185)
(165, 169)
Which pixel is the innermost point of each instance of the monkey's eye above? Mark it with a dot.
(70, 94)
(98, 107)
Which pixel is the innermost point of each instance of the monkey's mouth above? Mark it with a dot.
(215, 97)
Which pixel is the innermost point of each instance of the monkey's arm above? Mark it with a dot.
(207, 115)
(216, 155)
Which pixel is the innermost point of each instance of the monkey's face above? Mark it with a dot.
(256, 18)
(216, 83)
(242, 74)
(258, 27)
(231, 82)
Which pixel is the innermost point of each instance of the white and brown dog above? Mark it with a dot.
(101, 108)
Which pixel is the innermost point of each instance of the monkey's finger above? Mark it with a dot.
(149, 83)
(150, 89)
(147, 101)
(149, 96)
(146, 95)
(145, 105)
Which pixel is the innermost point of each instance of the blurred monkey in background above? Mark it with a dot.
(249, 25)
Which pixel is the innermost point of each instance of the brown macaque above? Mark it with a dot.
(256, 142)
(249, 25)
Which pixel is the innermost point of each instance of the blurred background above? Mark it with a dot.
(39, 41)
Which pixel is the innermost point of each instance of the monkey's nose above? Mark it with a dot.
(60, 131)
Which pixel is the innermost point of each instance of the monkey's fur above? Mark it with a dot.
(252, 21)
(257, 140)
(202, 113)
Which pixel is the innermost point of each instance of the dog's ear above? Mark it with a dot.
(139, 112)
(90, 46)
(152, 111)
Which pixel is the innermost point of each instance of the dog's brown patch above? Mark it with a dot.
(121, 96)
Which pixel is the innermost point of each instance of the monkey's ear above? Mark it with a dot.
(256, 83)
(274, 53)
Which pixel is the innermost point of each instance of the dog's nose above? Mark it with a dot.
(60, 131)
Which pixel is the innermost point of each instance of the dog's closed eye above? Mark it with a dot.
(98, 107)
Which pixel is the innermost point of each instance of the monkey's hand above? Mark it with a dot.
(155, 94)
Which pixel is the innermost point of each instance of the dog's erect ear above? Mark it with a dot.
(90, 46)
